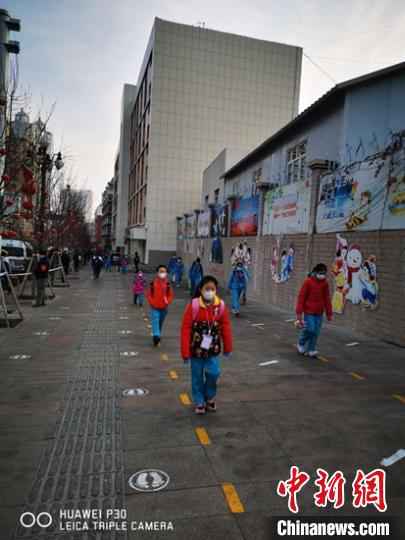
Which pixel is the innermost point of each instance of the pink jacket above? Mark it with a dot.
(139, 284)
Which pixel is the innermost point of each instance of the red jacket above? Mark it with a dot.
(205, 312)
(314, 298)
(160, 293)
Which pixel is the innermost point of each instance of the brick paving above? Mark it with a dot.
(70, 439)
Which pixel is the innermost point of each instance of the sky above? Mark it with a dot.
(77, 54)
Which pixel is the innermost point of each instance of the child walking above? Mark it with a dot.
(313, 301)
(237, 284)
(138, 288)
(205, 325)
(160, 296)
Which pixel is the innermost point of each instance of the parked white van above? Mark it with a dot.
(16, 255)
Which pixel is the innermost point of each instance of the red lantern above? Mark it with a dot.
(6, 179)
(9, 202)
(29, 188)
(27, 204)
(28, 176)
(2, 152)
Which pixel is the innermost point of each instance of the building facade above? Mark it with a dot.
(199, 90)
(122, 173)
(328, 187)
(106, 211)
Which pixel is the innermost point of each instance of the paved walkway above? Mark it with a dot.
(69, 439)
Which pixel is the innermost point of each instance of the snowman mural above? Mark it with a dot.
(354, 286)
(355, 277)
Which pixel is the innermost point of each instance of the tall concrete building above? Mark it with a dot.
(121, 210)
(198, 91)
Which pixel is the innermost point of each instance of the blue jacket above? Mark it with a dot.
(196, 272)
(238, 279)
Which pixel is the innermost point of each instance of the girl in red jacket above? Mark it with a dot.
(205, 325)
(313, 301)
(160, 296)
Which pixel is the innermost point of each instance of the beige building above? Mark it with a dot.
(198, 91)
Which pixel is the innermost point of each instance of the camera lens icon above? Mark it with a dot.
(43, 520)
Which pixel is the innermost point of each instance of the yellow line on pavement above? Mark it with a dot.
(173, 375)
(399, 398)
(164, 357)
(232, 498)
(356, 376)
(323, 359)
(185, 399)
(203, 436)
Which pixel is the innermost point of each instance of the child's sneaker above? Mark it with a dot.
(200, 409)
(211, 406)
(312, 354)
(300, 349)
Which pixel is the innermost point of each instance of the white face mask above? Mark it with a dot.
(208, 295)
(162, 275)
(321, 276)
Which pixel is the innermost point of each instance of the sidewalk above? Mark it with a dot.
(69, 439)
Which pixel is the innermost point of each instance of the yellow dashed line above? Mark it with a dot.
(399, 398)
(203, 436)
(232, 498)
(323, 359)
(173, 375)
(185, 399)
(356, 376)
(164, 357)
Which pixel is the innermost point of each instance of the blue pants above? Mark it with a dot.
(138, 299)
(235, 295)
(204, 377)
(158, 316)
(194, 283)
(310, 334)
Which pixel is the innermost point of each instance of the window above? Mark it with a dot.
(216, 196)
(296, 160)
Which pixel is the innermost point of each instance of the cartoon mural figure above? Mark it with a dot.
(286, 263)
(274, 263)
(359, 216)
(354, 288)
(355, 280)
(368, 279)
(339, 270)
(241, 253)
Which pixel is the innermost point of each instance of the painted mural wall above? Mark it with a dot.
(286, 209)
(245, 216)
(367, 195)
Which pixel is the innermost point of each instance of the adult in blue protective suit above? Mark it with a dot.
(196, 273)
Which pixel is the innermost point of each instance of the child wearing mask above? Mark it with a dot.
(160, 296)
(313, 301)
(205, 328)
(138, 288)
(238, 281)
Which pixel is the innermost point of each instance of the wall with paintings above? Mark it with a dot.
(245, 216)
(286, 209)
(366, 195)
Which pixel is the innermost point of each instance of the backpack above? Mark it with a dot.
(42, 268)
(195, 308)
